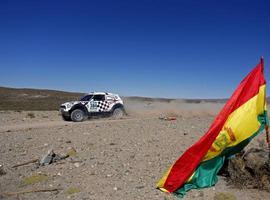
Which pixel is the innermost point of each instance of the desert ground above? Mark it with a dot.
(109, 158)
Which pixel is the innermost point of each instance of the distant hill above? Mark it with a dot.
(34, 99)
(41, 99)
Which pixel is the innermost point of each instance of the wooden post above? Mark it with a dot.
(267, 135)
(266, 124)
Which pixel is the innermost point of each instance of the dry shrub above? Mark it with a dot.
(31, 115)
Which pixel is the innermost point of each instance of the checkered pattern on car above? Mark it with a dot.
(103, 106)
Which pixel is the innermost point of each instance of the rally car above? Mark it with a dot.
(93, 104)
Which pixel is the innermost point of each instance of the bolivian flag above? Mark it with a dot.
(241, 119)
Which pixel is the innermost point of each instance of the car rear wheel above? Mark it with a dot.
(118, 113)
(77, 115)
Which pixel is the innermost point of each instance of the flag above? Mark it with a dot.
(241, 119)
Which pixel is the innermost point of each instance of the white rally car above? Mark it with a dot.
(93, 104)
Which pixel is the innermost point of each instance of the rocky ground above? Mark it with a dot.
(109, 159)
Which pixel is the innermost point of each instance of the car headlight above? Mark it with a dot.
(68, 106)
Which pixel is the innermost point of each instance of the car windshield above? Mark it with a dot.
(86, 98)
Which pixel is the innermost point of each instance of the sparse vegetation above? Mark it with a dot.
(224, 196)
(71, 152)
(36, 178)
(73, 191)
(31, 115)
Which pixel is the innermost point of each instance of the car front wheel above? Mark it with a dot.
(77, 115)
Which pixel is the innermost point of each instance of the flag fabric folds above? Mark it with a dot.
(242, 118)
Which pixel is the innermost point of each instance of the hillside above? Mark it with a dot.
(41, 99)
(33, 99)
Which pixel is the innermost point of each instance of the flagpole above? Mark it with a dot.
(266, 124)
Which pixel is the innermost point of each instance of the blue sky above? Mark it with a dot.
(172, 48)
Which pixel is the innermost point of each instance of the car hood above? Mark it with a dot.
(70, 103)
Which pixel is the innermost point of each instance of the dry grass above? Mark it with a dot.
(32, 99)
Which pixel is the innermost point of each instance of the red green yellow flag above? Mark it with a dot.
(242, 118)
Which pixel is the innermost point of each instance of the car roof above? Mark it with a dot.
(101, 93)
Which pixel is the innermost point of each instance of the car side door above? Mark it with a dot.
(86, 101)
(96, 104)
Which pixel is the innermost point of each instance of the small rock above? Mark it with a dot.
(100, 163)
(23, 153)
(132, 156)
(77, 164)
(201, 194)
(115, 188)
(68, 141)
(2, 171)
(92, 173)
(140, 187)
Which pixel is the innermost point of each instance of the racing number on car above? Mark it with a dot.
(93, 105)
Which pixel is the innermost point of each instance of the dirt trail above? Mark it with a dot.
(16, 121)
(60, 122)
